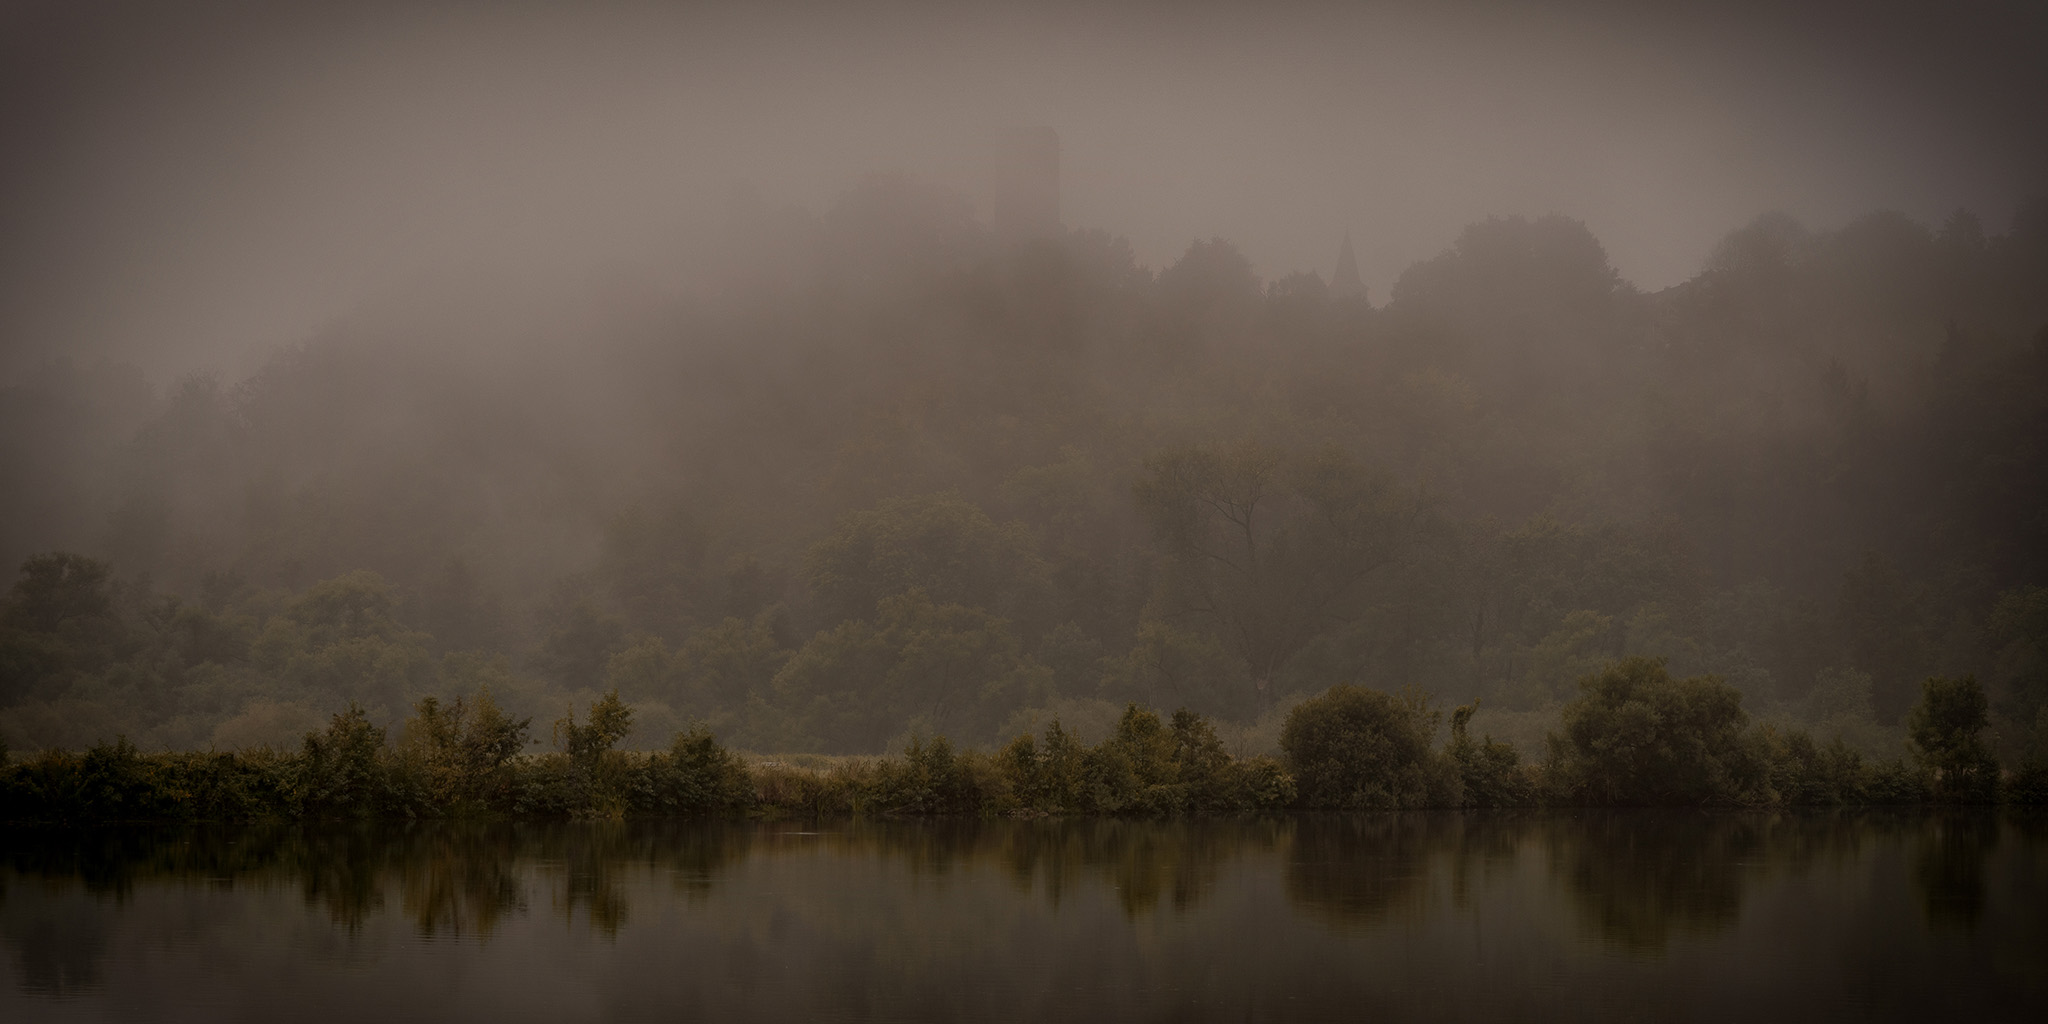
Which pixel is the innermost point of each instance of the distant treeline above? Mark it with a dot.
(1634, 736)
(878, 473)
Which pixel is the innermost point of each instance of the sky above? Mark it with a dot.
(188, 186)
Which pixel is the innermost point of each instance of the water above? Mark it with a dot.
(1587, 916)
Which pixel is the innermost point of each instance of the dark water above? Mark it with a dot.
(1608, 916)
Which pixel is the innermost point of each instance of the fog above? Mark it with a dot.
(192, 185)
(832, 375)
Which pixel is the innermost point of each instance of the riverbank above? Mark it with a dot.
(1349, 749)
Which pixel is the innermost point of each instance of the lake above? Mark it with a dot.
(1653, 916)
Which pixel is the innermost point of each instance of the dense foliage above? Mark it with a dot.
(1634, 736)
(882, 475)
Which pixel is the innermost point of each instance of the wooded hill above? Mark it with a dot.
(834, 480)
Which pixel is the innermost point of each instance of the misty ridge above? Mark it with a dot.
(828, 481)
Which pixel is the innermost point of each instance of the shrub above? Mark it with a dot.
(338, 770)
(930, 778)
(1946, 729)
(1357, 748)
(1490, 773)
(1897, 781)
(2029, 782)
(1635, 736)
(1803, 773)
(696, 776)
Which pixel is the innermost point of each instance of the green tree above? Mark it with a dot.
(940, 544)
(59, 618)
(579, 645)
(1946, 731)
(725, 665)
(1489, 771)
(464, 748)
(600, 775)
(341, 638)
(339, 770)
(1636, 736)
(609, 720)
(1881, 629)
(939, 667)
(1264, 551)
(1355, 748)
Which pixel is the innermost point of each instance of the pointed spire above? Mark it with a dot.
(1344, 282)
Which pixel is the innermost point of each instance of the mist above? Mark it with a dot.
(830, 376)
(190, 186)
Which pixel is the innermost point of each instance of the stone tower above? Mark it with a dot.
(1344, 282)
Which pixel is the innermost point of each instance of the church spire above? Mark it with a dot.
(1344, 282)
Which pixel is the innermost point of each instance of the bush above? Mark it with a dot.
(1145, 768)
(459, 753)
(696, 776)
(2029, 782)
(1946, 729)
(1044, 777)
(339, 773)
(1490, 773)
(1354, 748)
(931, 778)
(1897, 781)
(1637, 737)
(1803, 773)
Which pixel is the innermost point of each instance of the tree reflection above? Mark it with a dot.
(1948, 866)
(1147, 863)
(1639, 876)
(341, 870)
(1634, 879)
(460, 881)
(1352, 869)
(58, 953)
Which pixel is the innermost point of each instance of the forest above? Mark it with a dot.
(883, 481)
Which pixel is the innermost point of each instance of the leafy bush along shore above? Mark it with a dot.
(1634, 736)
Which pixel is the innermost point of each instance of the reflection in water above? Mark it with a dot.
(1639, 877)
(1146, 862)
(460, 884)
(1950, 867)
(59, 954)
(1354, 868)
(880, 912)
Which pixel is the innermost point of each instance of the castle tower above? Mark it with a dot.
(1027, 185)
(1344, 282)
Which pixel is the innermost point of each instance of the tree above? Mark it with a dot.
(1635, 736)
(1946, 729)
(341, 638)
(1265, 550)
(940, 544)
(463, 746)
(1880, 628)
(918, 663)
(725, 665)
(1489, 771)
(59, 617)
(1355, 748)
(59, 591)
(578, 648)
(339, 770)
(1173, 666)
(609, 721)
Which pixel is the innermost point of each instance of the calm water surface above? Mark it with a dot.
(1605, 916)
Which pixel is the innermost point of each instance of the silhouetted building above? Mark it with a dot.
(1027, 185)
(1344, 282)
